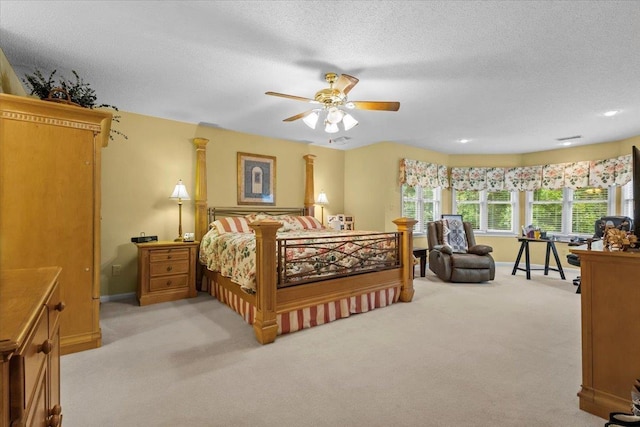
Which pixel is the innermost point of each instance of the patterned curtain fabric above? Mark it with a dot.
(553, 176)
(624, 170)
(443, 176)
(414, 172)
(495, 179)
(596, 173)
(477, 178)
(525, 178)
(460, 179)
(576, 175)
(602, 173)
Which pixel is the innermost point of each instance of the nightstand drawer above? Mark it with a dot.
(166, 271)
(169, 282)
(169, 267)
(169, 254)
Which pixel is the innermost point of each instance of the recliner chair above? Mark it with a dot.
(621, 222)
(471, 266)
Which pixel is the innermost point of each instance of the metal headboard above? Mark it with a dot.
(214, 213)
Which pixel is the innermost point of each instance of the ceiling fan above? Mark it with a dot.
(330, 102)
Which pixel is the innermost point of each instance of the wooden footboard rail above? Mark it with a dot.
(266, 298)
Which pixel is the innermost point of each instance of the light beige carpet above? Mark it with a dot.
(506, 353)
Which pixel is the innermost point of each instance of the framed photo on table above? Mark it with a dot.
(256, 179)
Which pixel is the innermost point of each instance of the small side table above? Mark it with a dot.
(421, 253)
(166, 271)
(524, 247)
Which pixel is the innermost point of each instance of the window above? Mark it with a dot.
(421, 204)
(488, 211)
(566, 211)
(627, 199)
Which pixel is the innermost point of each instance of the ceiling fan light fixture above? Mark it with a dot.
(331, 127)
(350, 105)
(311, 119)
(334, 115)
(349, 121)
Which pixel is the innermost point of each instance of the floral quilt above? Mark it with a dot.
(307, 255)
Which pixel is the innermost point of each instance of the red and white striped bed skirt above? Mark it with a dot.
(310, 316)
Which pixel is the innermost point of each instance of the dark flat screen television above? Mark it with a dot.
(636, 189)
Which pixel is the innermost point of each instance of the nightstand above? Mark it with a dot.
(166, 271)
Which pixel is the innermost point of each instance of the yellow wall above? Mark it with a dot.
(138, 175)
(9, 81)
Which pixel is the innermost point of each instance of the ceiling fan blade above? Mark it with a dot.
(345, 83)
(297, 98)
(376, 105)
(298, 116)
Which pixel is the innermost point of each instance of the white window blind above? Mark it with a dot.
(421, 204)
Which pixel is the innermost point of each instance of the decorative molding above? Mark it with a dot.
(34, 118)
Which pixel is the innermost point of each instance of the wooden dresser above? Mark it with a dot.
(30, 307)
(166, 271)
(50, 203)
(610, 301)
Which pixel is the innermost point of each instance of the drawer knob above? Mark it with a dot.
(169, 268)
(45, 347)
(55, 419)
(168, 256)
(60, 306)
(168, 282)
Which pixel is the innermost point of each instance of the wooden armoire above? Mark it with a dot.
(50, 203)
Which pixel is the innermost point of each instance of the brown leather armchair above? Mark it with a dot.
(474, 266)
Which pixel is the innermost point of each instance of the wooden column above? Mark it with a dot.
(309, 198)
(265, 325)
(405, 227)
(201, 220)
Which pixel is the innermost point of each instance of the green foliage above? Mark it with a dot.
(76, 91)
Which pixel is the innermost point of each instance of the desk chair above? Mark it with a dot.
(621, 222)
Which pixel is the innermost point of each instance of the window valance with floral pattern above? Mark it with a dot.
(595, 173)
(426, 175)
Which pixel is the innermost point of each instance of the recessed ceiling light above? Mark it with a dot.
(463, 141)
(611, 113)
(566, 143)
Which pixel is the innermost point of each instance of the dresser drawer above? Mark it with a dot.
(158, 255)
(169, 282)
(28, 366)
(169, 267)
(55, 307)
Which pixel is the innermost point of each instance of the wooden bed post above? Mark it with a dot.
(309, 197)
(200, 198)
(405, 227)
(265, 325)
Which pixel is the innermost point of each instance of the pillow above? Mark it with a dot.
(262, 216)
(304, 223)
(453, 233)
(232, 225)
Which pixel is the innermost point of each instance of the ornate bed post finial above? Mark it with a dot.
(309, 198)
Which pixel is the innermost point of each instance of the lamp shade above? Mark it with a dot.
(180, 192)
(311, 119)
(322, 199)
(348, 121)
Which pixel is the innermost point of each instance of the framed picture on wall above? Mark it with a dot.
(256, 179)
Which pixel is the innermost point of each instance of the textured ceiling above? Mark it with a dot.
(512, 77)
